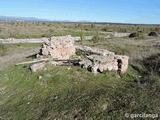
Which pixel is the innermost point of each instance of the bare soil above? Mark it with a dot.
(15, 56)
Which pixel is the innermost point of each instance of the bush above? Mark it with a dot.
(152, 64)
(93, 26)
(136, 35)
(95, 39)
(132, 35)
(3, 50)
(157, 29)
(154, 34)
(104, 29)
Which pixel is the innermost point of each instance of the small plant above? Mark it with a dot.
(81, 36)
(96, 38)
(138, 35)
(104, 29)
(81, 32)
(157, 29)
(93, 26)
(3, 50)
(51, 31)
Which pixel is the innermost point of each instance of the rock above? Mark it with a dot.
(116, 34)
(62, 49)
(104, 107)
(94, 67)
(39, 77)
(59, 47)
(108, 66)
(28, 103)
(2, 89)
(37, 66)
(69, 68)
(85, 63)
(122, 63)
(106, 63)
(56, 63)
(96, 51)
(97, 63)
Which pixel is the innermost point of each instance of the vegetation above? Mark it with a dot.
(154, 34)
(138, 35)
(3, 50)
(76, 93)
(64, 92)
(24, 29)
(6, 49)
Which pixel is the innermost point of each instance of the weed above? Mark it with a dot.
(3, 50)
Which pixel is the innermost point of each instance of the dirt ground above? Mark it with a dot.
(13, 57)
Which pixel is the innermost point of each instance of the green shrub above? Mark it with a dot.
(139, 35)
(3, 50)
(96, 39)
(154, 34)
(104, 29)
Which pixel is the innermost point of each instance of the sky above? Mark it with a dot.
(119, 11)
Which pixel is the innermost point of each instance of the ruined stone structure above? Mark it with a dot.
(104, 61)
(58, 47)
(94, 59)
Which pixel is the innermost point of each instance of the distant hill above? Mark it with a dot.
(34, 19)
(13, 18)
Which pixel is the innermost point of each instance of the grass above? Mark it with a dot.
(75, 93)
(3, 50)
(59, 88)
(23, 29)
(10, 48)
(122, 49)
(62, 93)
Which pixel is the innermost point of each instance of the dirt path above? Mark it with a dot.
(35, 40)
(14, 57)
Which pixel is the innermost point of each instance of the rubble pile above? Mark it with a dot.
(106, 62)
(58, 47)
(94, 59)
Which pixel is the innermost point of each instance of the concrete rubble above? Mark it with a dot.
(60, 51)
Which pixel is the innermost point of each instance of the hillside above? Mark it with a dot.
(14, 18)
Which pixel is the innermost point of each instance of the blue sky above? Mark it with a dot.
(124, 11)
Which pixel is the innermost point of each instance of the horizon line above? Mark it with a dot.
(38, 19)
